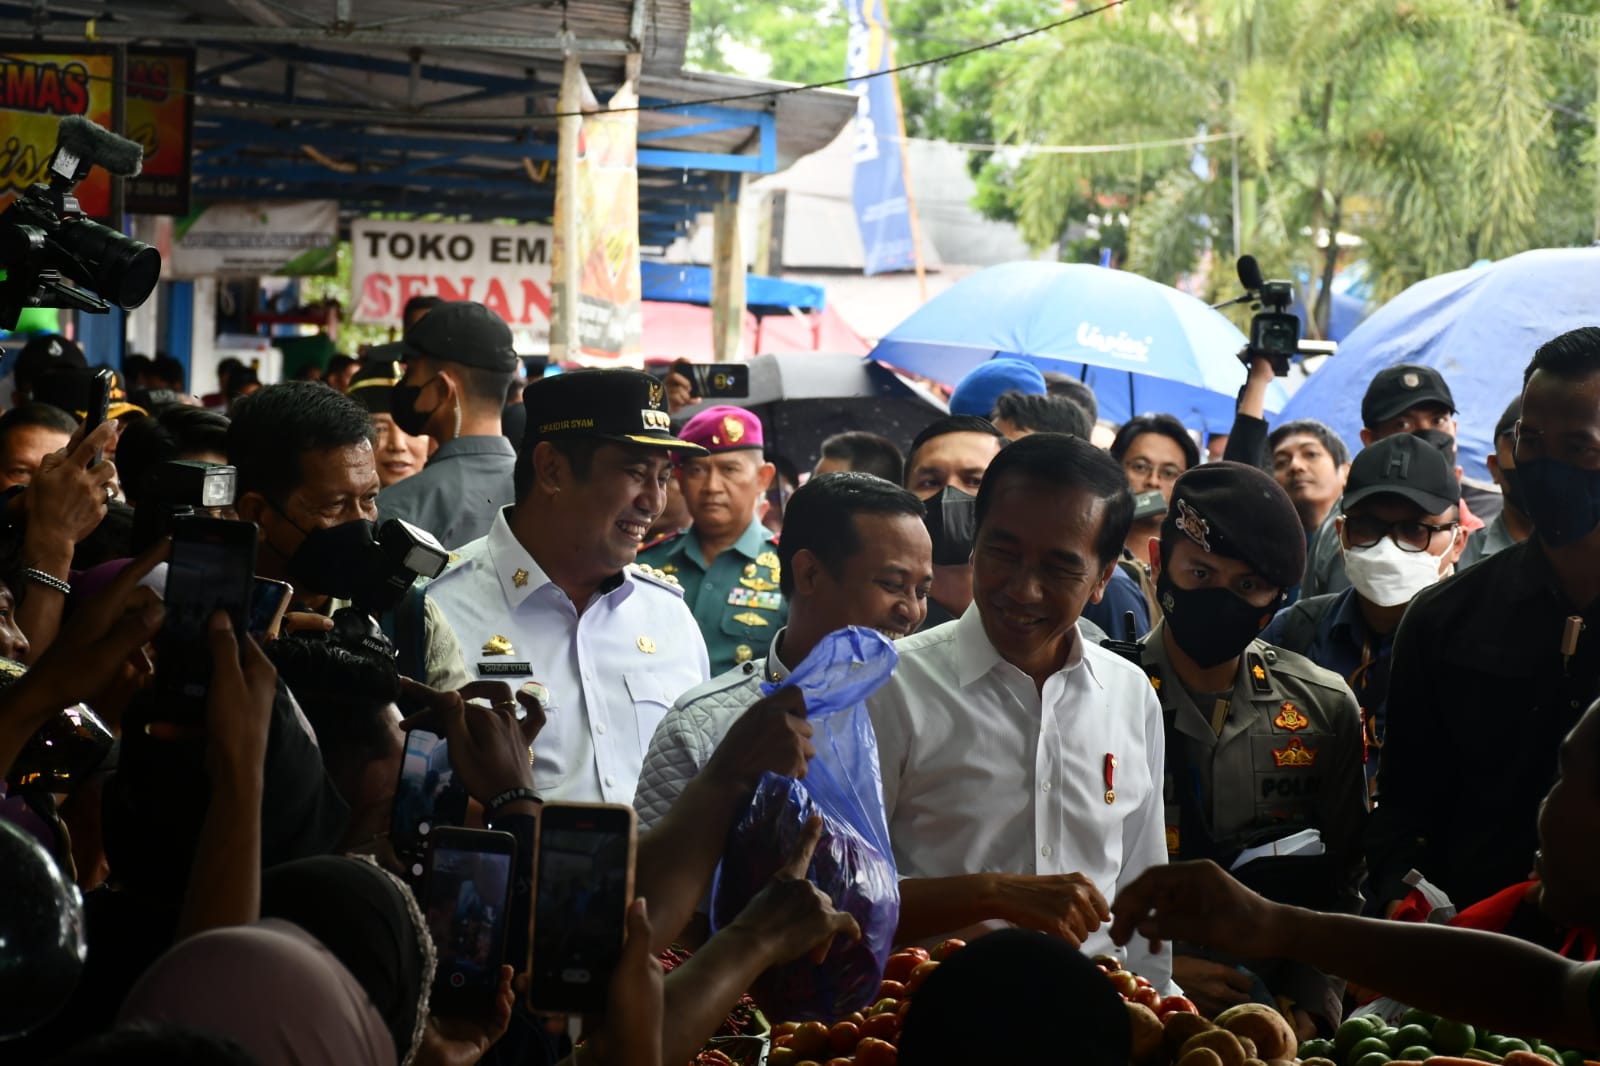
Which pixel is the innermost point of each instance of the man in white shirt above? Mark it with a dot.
(551, 595)
(1021, 763)
(854, 553)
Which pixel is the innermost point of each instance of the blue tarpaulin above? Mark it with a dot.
(684, 284)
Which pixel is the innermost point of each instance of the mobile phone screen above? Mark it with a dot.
(268, 600)
(425, 775)
(584, 882)
(469, 892)
(211, 568)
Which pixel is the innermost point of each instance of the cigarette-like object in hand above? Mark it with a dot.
(1569, 636)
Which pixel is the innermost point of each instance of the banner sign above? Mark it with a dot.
(37, 90)
(504, 267)
(883, 211)
(161, 118)
(257, 238)
(602, 183)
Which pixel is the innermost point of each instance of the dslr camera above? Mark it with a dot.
(179, 488)
(382, 571)
(54, 255)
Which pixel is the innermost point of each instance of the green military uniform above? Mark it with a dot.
(1281, 752)
(735, 600)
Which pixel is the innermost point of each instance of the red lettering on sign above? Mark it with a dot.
(494, 298)
(45, 88)
(376, 301)
(150, 81)
(534, 299)
(411, 285)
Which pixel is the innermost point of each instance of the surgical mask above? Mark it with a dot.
(1210, 625)
(949, 517)
(1562, 500)
(403, 409)
(336, 561)
(1387, 576)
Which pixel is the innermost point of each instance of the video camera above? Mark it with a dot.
(1275, 331)
(55, 256)
(179, 488)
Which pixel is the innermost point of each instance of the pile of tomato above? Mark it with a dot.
(864, 1038)
(1136, 989)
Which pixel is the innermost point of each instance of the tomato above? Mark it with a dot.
(942, 952)
(782, 1056)
(883, 1006)
(840, 1062)
(901, 963)
(1124, 983)
(854, 1016)
(1142, 982)
(1108, 963)
(843, 1037)
(784, 1028)
(1146, 996)
(877, 1053)
(891, 990)
(1171, 1004)
(919, 975)
(810, 1040)
(783, 1041)
(879, 1027)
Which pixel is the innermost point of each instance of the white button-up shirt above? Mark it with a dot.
(612, 671)
(984, 773)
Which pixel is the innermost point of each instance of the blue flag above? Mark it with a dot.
(883, 211)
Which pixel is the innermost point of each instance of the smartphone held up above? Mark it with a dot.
(583, 883)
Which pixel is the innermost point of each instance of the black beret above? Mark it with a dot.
(1237, 511)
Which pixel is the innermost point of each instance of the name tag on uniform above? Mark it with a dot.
(505, 669)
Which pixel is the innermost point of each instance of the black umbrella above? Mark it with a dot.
(806, 397)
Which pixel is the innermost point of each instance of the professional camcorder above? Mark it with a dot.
(53, 255)
(1274, 329)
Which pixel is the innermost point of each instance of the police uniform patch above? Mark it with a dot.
(1191, 525)
(1258, 675)
(1296, 755)
(1291, 719)
(505, 669)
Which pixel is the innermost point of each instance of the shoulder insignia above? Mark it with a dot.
(1291, 719)
(1258, 674)
(1296, 755)
(655, 577)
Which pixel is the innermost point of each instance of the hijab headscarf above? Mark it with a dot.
(271, 987)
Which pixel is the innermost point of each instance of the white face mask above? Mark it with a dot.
(1387, 576)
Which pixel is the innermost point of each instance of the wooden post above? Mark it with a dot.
(727, 276)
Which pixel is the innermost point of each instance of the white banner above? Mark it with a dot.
(256, 239)
(504, 267)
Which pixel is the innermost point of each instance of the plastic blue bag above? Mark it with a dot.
(853, 862)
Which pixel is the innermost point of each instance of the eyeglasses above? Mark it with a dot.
(1144, 468)
(1364, 532)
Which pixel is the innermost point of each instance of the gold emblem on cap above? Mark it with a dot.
(743, 654)
(520, 577)
(646, 645)
(1410, 381)
(656, 393)
(732, 429)
(750, 618)
(497, 645)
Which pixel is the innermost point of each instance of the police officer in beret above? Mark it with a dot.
(1261, 743)
(552, 594)
(459, 364)
(727, 561)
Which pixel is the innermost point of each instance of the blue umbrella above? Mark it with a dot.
(1477, 327)
(1142, 346)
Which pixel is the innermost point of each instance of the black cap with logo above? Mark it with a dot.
(462, 332)
(625, 406)
(1404, 465)
(1400, 388)
(373, 385)
(1238, 512)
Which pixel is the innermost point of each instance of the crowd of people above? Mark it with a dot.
(1226, 709)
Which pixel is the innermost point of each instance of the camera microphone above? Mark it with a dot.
(90, 145)
(1250, 273)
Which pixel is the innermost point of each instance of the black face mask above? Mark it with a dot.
(1440, 440)
(950, 518)
(337, 561)
(1210, 625)
(1511, 490)
(403, 408)
(1562, 500)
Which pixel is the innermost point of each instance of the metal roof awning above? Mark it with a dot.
(444, 108)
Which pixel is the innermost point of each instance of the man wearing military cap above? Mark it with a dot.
(552, 594)
(459, 363)
(1261, 743)
(727, 561)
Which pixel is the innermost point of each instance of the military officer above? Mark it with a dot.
(1262, 744)
(727, 561)
(552, 595)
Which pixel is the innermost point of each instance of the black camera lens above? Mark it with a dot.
(119, 268)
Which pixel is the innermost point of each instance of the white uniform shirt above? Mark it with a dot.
(612, 672)
(983, 773)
